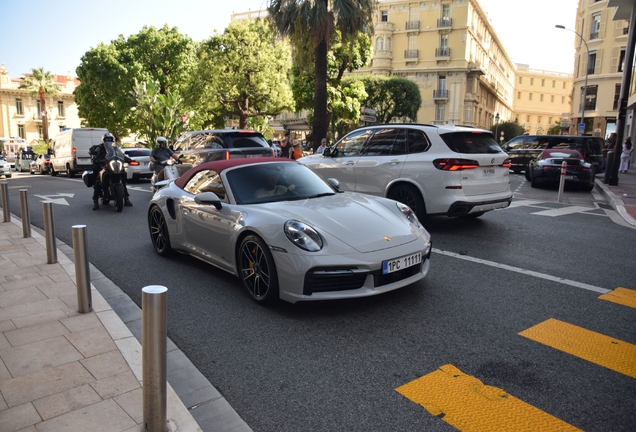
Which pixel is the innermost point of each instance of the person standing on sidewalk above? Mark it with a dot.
(626, 155)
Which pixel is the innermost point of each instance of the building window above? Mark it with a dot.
(541, 98)
(528, 118)
(529, 96)
(469, 85)
(562, 99)
(61, 128)
(18, 107)
(38, 110)
(590, 97)
(596, 24)
(384, 16)
(468, 114)
(40, 131)
(564, 85)
(387, 44)
(550, 120)
(617, 95)
(531, 81)
(439, 112)
(553, 83)
(539, 119)
(379, 44)
(591, 62)
(60, 108)
(552, 99)
(520, 80)
(21, 132)
(621, 60)
(518, 95)
(542, 83)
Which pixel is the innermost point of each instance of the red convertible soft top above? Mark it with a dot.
(223, 164)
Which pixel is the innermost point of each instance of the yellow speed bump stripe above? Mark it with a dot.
(624, 296)
(594, 347)
(467, 404)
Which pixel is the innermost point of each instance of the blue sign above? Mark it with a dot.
(581, 128)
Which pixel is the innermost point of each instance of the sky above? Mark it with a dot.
(55, 34)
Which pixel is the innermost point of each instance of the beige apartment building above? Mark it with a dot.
(542, 99)
(600, 57)
(21, 115)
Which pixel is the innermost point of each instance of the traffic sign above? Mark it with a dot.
(581, 128)
(369, 118)
(369, 111)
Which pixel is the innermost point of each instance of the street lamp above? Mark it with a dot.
(496, 124)
(586, 73)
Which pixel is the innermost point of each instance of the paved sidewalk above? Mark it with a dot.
(65, 371)
(621, 197)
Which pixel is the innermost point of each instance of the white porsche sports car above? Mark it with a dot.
(287, 233)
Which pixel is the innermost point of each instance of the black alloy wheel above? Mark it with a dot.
(257, 270)
(53, 172)
(407, 194)
(159, 232)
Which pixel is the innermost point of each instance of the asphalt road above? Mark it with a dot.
(335, 366)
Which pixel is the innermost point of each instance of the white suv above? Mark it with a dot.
(436, 170)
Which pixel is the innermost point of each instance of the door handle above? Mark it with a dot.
(349, 163)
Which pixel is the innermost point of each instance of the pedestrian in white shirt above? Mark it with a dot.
(626, 155)
(322, 147)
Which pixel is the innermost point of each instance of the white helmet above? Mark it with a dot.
(162, 140)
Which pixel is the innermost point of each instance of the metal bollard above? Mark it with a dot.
(562, 180)
(82, 273)
(154, 357)
(609, 166)
(4, 189)
(24, 212)
(49, 232)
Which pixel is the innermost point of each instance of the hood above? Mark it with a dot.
(360, 221)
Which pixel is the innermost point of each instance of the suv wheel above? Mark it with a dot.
(409, 195)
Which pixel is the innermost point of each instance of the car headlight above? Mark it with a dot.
(408, 213)
(303, 236)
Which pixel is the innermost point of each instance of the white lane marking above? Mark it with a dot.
(524, 271)
(564, 211)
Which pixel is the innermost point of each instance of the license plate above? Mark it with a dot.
(401, 263)
(489, 172)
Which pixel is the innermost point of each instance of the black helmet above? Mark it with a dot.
(108, 137)
(162, 140)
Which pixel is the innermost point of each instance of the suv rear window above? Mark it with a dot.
(220, 140)
(137, 152)
(471, 142)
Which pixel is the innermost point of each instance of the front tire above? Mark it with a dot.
(69, 172)
(407, 194)
(53, 172)
(119, 197)
(257, 270)
(159, 232)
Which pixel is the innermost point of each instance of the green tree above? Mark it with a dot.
(555, 129)
(159, 113)
(510, 129)
(242, 73)
(392, 98)
(310, 26)
(109, 74)
(41, 84)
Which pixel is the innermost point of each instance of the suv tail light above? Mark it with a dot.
(507, 163)
(455, 164)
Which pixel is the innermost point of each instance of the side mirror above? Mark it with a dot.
(327, 152)
(208, 198)
(335, 183)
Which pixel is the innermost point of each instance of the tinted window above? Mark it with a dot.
(471, 142)
(137, 152)
(245, 141)
(381, 143)
(417, 141)
(515, 144)
(351, 144)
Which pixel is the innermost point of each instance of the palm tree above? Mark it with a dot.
(42, 84)
(309, 25)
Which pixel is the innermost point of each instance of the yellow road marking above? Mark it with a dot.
(467, 404)
(597, 348)
(623, 296)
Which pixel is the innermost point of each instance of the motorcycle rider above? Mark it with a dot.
(98, 153)
(160, 155)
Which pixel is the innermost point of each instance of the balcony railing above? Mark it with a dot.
(593, 35)
(444, 22)
(442, 52)
(411, 54)
(440, 94)
(412, 25)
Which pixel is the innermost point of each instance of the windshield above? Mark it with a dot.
(113, 152)
(471, 142)
(271, 182)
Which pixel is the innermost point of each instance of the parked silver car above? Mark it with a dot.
(5, 168)
(435, 170)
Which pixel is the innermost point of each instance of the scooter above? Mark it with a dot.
(166, 176)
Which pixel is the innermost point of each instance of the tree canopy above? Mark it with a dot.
(241, 73)
(510, 129)
(109, 74)
(392, 98)
(41, 84)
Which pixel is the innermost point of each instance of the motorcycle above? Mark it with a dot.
(166, 176)
(111, 178)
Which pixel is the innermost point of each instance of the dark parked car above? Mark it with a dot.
(546, 169)
(41, 164)
(524, 148)
(202, 146)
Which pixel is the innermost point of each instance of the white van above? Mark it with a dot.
(70, 150)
